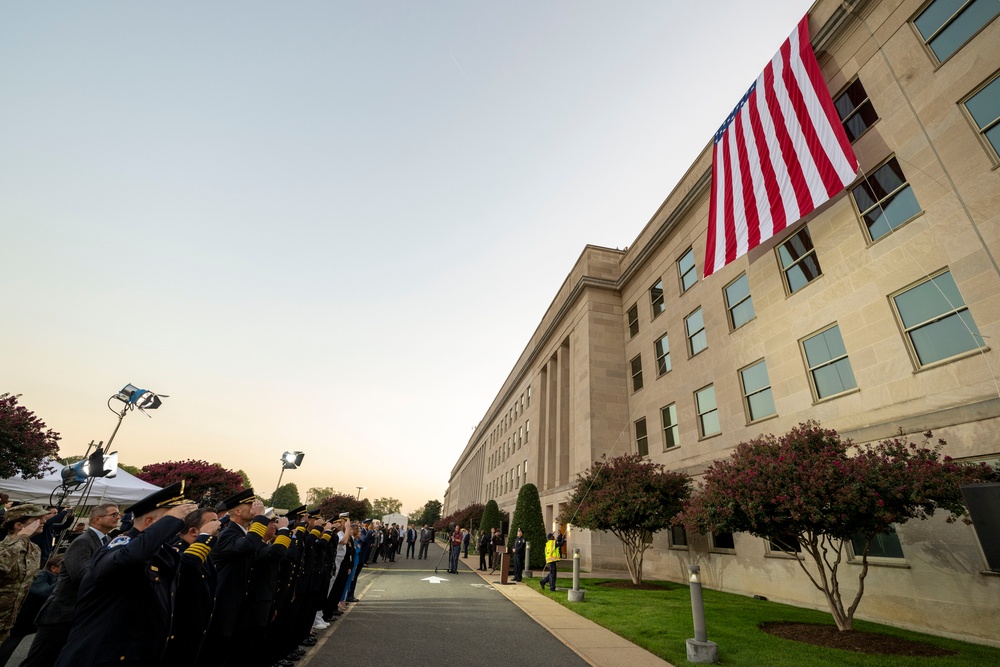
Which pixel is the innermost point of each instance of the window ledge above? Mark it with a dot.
(733, 329)
(683, 547)
(707, 437)
(989, 573)
(957, 357)
(729, 552)
(891, 232)
(783, 556)
(835, 396)
(671, 449)
(762, 419)
(897, 563)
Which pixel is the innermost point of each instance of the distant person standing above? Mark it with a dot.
(425, 540)
(551, 561)
(456, 547)
(411, 540)
(484, 547)
(466, 538)
(519, 545)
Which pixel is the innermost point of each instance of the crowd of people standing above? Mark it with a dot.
(174, 582)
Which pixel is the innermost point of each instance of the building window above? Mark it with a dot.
(723, 541)
(708, 411)
(671, 432)
(656, 298)
(678, 536)
(527, 432)
(855, 110)
(641, 439)
(884, 545)
(695, 325)
(637, 373)
(520, 436)
(798, 261)
(937, 323)
(984, 108)
(785, 544)
(662, 350)
(518, 478)
(946, 25)
(686, 270)
(885, 200)
(738, 302)
(633, 320)
(829, 368)
(757, 397)
(529, 395)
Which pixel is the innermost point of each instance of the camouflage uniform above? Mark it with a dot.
(19, 561)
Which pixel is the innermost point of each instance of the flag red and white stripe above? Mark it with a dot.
(781, 153)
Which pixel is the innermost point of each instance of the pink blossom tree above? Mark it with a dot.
(25, 441)
(812, 486)
(199, 477)
(632, 498)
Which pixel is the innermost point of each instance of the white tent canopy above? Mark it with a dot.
(123, 489)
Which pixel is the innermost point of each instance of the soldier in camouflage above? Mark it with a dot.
(19, 561)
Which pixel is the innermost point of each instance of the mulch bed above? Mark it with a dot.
(854, 640)
(644, 586)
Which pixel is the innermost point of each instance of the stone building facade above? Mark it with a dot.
(879, 312)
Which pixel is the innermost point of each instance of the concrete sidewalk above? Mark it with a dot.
(597, 645)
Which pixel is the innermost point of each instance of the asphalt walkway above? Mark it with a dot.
(594, 644)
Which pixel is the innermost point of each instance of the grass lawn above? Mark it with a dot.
(660, 621)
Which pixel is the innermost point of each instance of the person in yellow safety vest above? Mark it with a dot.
(551, 560)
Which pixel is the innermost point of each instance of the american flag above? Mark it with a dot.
(781, 153)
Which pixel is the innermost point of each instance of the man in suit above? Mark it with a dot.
(411, 540)
(56, 615)
(484, 549)
(123, 613)
(425, 540)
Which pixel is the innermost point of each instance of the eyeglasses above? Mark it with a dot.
(114, 515)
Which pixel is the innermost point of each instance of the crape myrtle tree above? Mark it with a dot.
(812, 486)
(26, 443)
(332, 506)
(632, 498)
(468, 517)
(528, 517)
(198, 476)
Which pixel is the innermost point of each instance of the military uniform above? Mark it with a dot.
(20, 559)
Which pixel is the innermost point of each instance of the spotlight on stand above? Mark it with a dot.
(98, 464)
(291, 460)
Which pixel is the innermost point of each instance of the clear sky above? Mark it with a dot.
(329, 226)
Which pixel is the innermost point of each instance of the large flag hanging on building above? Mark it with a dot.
(781, 153)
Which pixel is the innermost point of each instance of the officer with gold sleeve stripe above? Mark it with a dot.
(124, 609)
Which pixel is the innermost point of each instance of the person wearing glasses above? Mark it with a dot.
(56, 616)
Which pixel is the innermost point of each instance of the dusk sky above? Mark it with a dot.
(329, 226)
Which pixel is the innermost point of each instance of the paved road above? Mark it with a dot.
(403, 619)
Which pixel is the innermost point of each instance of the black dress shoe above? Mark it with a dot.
(353, 600)
(308, 641)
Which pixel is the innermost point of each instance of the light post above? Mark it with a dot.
(360, 489)
(289, 461)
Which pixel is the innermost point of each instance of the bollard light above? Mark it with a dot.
(699, 649)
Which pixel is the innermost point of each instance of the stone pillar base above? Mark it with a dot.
(576, 596)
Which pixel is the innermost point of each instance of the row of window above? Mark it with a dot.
(934, 318)
(884, 545)
(513, 411)
(511, 445)
(508, 481)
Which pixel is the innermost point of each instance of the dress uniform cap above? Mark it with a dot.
(165, 497)
(301, 509)
(244, 496)
(313, 512)
(24, 511)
